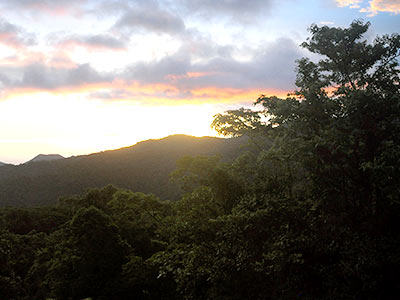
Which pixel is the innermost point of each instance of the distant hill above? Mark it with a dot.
(2, 164)
(144, 167)
(45, 157)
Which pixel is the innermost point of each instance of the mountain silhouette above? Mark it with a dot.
(144, 167)
(45, 157)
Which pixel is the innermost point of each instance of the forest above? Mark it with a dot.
(143, 167)
(310, 210)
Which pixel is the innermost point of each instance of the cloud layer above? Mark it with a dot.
(139, 50)
(181, 75)
(14, 36)
(373, 7)
(197, 66)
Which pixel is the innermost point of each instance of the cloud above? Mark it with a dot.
(182, 78)
(98, 41)
(175, 79)
(219, 76)
(169, 16)
(59, 7)
(201, 68)
(351, 3)
(14, 36)
(375, 6)
(166, 95)
(38, 76)
(149, 16)
(271, 67)
(237, 10)
(326, 23)
(159, 71)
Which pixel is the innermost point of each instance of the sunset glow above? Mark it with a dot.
(78, 77)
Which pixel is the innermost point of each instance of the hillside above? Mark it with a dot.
(45, 157)
(144, 167)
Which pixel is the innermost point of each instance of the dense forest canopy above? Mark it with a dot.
(311, 211)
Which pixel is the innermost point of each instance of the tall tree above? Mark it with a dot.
(317, 210)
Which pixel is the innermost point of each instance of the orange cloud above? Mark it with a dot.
(151, 94)
(22, 57)
(375, 6)
(156, 94)
(9, 39)
(173, 77)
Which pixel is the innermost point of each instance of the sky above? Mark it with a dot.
(82, 76)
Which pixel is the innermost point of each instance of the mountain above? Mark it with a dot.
(2, 164)
(45, 157)
(144, 167)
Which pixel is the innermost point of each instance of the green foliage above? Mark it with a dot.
(139, 216)
(23, 221)
(193, 174)
(98, 249)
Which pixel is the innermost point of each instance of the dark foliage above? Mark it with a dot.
(144, 167)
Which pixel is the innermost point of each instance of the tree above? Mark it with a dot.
(319, 203)
(342, 124)
(88, 261)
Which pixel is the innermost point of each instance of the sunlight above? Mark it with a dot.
(72, 125)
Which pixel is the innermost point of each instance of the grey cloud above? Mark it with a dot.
(180, 63)
(104, 41)
(41, 4)
(198, 46)
(159, 71)
(238, 10)
(271, 67)
(40, 76)
(166, 16)
(97, 41)
(151, 17)
(119, 94)
(13, 35)
(162, 16)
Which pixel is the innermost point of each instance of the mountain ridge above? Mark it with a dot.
(45, 157)
(143, 167)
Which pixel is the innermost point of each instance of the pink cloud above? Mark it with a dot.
(375, 6)
(14, 36)
(52, 7)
